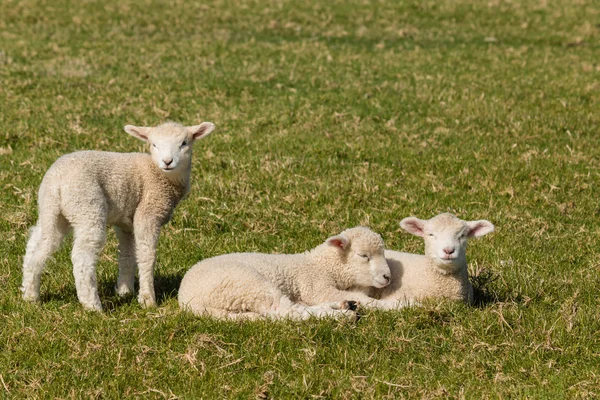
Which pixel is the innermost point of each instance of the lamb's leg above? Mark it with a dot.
(88, 243)
(146, 239)
(255, 294)
(295, 312)
(224, 314)
(340, 305)
(328, 295)
(45, 238)
(290, 310)
(126, 280)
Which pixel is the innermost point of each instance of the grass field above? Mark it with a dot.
(330, 115)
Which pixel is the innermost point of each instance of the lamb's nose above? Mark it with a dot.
(168, 161)
(449, 250)
(387, 277)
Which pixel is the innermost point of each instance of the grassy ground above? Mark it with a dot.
(329, 114)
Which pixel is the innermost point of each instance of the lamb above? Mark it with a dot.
(442, 271)
(321, 282)
(136, 193)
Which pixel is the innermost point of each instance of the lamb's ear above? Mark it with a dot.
(140, 132)
(340, 241)
(479, 228)
(202, 130)
(413, 225)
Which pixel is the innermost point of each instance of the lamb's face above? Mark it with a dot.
(370, 266)
(170, 148)
(171, 143)
(446, 238)
(363, 253)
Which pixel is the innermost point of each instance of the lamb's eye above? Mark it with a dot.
(431, 234)
(184, 143)
(153, 145)
(365, 256)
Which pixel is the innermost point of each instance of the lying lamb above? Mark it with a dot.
(442, 271)
(317, 283)
(137, 193)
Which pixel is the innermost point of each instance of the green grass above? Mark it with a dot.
(329, 115)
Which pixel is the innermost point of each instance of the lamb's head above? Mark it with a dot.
(446, 238)
(171, 143)
(361, 252)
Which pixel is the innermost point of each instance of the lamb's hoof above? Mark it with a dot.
(123, 291)
(92, 307)
(146, 301)
(351, 315)
(349, 305)
(31, 298)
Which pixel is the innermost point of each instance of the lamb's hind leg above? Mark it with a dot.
(45, 238)
(127, 265)
(88, 243)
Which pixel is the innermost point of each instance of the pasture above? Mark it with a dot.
(329, 114)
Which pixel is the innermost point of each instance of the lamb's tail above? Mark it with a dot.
(49, 203)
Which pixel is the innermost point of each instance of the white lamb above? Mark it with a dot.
(86, 191)
(316, 283)
(442, 271)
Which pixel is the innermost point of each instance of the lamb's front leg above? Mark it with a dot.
(288, 309)
(332, 294)
(126, 280)
(146, 233)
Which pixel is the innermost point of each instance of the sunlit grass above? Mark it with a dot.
(329, 115)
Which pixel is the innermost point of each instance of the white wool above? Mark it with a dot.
(317, 283)
(442, 271)
(86, 191)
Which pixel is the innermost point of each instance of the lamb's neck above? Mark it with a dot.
(342, 280)
(441, 270)
(456, 283)
(180, 180)
(325, 259)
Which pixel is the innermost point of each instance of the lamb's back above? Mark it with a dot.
(279, 269)
(88, 178)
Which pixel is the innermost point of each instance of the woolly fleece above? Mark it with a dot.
(442, 271)
(137, 193)
(316, 283)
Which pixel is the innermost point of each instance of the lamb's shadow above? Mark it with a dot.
(165, 286)
(106, 290)
(485, 292)
(67, 295)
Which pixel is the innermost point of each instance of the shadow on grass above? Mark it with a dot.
(108, 297)
(65, 296)
(167, 287)
(485, 291)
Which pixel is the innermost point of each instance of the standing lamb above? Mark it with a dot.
(87, 190)
(323, 280)
(442, 271)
